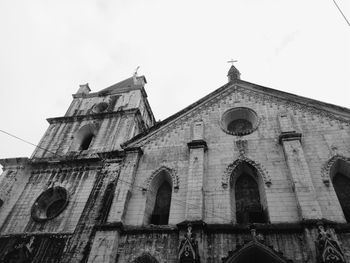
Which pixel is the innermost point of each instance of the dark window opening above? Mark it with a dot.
(54, 207)
(85, 144)
(239, 126)
(341, 185)
(1, 202)
(248, 206)
(160, 215)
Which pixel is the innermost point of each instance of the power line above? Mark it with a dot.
(180, 202)
(341, 12)
(18, 138)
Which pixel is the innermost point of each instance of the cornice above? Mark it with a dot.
(12, 163)
(94, 116)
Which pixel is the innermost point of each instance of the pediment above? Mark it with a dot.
(238, 91)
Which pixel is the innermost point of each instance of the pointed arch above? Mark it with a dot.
(256, 252)
(231, 167)
(159, 191)
(338, 168)
(160, 170)
(145, 258)
(327, 171)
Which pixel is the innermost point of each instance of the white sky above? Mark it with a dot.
(48, 48)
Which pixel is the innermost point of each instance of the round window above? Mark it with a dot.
(239, 121)
(100, 107)
(50, 203)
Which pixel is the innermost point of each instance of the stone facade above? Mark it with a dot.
(250, 172)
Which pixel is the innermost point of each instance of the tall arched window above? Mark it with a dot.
(160, 215)
(158, 200)
(248, 202)
(341, 185)
(340, 174)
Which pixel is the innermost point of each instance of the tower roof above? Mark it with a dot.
(131, 83)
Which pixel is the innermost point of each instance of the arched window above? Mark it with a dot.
(84, 137)
(341, 185)
(86, 141)
(158, 200)
(248, 202)
(340, 174)
(160, 215)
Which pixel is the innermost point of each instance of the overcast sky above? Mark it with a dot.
(48, 48)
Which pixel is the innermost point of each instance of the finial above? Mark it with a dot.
(135, 72)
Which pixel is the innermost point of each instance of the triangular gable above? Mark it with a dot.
(258, 92)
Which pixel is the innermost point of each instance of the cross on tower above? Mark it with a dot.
(232, 61)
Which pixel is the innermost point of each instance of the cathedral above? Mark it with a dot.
(245, 174)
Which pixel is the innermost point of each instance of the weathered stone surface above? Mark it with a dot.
(293, 156)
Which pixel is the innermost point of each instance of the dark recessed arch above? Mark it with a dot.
(145, 258)
(255, 252)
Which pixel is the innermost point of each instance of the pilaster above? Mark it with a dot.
(124, 185)
(194, 198)
(299, 172)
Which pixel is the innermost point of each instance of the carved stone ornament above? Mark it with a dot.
(171, 172)
(255, 249)
(188, 249)
(229, 170)
(328, 248)
(21, 252)
(326, 169)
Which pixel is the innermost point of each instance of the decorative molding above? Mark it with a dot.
(171, 172)
(188, 249)
(326, 169)
(241, 159)
(328, 247)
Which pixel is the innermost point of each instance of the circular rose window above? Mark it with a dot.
(100, 107)
(50, 203)
(239, 121)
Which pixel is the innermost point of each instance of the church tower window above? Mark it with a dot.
(84, 137)
(85, 144)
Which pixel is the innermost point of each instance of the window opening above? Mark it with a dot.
(341, 185)
(239, 126)
(161, 210)
(85, 144)
(248, 205)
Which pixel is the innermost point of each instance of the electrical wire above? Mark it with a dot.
(347, 21)
(16, 137)
(180, 202)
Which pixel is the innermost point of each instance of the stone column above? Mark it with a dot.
(299, 173)
(194, 197)
(124, 186)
